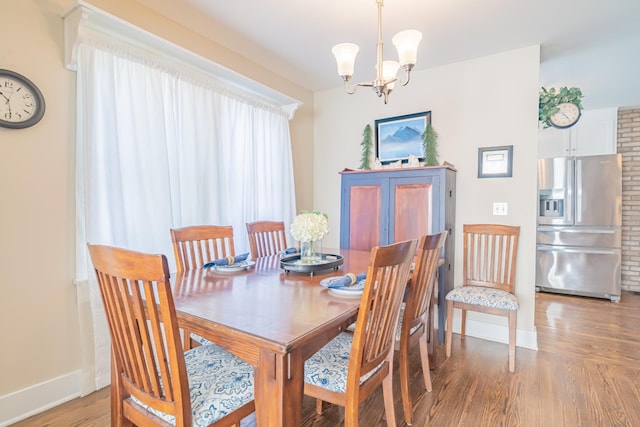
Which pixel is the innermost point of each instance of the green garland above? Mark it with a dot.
(366, 144)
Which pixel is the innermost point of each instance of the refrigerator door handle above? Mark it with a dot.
(578, 191)
(576, 230)
(547, 248)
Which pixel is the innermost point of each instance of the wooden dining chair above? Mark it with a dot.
(197, 245)
(413, 327)
(154, 382)
(266, 238)
(193, 247)
(352, 365)
(489, 272)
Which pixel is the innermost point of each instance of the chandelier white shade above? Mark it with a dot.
(406, 43)
(345, 54)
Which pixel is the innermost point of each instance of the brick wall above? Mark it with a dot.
(629, 146)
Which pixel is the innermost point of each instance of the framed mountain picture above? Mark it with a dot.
(397, 137)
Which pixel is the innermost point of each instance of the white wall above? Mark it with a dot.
(490, 101)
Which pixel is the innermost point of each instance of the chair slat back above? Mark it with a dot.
(423, 280)
(142, 320)
(197, 245)
(266, 238)
(490, 252)
(377, 322)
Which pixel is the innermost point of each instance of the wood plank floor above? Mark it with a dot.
(585, 373)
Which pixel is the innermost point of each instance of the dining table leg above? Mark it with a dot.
(279, 386)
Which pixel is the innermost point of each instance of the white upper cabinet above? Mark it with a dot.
(595, 133)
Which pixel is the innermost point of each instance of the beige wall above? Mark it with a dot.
(40, 352)
(37, 310)
(490, 101)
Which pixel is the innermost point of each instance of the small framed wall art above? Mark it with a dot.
(398, 137)
(495, 162)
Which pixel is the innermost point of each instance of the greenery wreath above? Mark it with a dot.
(549, 100)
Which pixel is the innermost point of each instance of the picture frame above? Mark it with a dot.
(398, 137)
(495, 162)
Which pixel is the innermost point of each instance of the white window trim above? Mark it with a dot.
(85, 21)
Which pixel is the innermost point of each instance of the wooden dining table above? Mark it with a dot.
(272, 319)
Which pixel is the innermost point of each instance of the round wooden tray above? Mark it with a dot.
(326, 262)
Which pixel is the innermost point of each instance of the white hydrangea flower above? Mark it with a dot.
(309, 226)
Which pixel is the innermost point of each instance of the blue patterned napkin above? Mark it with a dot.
(227, 261)
(288, 251)
(346, 280)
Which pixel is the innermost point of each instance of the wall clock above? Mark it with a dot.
(567, 116)
(21, 102)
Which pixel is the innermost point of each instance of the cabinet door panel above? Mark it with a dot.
(385, 206)
(365, 216)
(412, 211)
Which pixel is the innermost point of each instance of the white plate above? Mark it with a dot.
(233, 268)
(354, 290)
(347, 291)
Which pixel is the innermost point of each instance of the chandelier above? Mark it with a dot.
(406, 43)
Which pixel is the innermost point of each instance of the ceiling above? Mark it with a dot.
(591, 44)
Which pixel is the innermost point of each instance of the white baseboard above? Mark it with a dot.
(38, 398)
(494, 332)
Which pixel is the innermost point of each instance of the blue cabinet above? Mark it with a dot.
(390, 205)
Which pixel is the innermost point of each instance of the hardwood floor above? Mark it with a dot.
(585, 373)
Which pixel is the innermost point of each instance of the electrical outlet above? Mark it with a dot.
(500, 208)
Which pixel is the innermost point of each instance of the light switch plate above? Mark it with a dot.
(500, 208)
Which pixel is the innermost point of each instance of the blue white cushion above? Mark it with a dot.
(485, 297)
(399, 330)
(199, 339)
(219, 383)
(329, 366)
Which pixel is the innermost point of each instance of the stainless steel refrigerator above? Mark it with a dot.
(579, 226)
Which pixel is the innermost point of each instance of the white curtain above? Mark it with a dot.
(161, 147)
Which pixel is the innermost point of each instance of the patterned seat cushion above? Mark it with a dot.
(219, 383)
(486, 297)
(352, 327)
(199, 339)
(329, 366)
(399, 330)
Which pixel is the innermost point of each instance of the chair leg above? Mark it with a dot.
(424, 358)
(463, 325)
(319, 406)
(117, 396)
(431, 326)
(449, 331)
(512, 340)
(387, 394)
(351, 415)
(403, 366)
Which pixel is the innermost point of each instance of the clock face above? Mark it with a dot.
(567, 116)
(21, 102)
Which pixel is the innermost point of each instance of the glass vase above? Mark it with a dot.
(310, 251)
